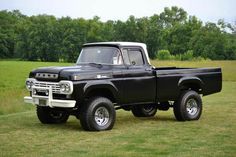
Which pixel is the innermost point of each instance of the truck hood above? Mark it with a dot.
(68, 72)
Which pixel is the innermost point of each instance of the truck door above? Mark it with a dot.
(139, 82)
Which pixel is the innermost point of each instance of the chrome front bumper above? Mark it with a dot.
(48, 100)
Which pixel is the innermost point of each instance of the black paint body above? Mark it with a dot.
(127, 85)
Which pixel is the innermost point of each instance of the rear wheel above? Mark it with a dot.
(47, 115)
(98, 114)
(148, 110)
(188, 107)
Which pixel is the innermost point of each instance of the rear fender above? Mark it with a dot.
(188, 81)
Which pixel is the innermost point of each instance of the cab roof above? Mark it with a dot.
(117, 43)
(144, 47)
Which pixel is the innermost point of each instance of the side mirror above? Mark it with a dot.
(133, 62)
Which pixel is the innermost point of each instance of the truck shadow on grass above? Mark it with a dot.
(122, 122)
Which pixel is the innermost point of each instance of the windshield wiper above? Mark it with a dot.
(96, 64)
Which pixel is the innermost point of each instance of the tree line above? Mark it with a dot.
(47, 38)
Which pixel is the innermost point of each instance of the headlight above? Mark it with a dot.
(66, 87)
(76, 77)
(29, 83)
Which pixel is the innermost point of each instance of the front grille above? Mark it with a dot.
(55, 86)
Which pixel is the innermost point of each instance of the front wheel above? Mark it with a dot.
(188, 107)
(98, 114)
(148, 110)
(47, 115)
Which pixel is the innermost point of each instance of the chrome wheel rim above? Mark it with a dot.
(148, 108)
(101, 116)
(192, 107)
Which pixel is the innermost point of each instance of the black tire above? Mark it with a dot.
(47, 115)
(188, 106)
(148, 110)
(98, 114)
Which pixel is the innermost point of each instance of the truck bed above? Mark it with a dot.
(171, 80)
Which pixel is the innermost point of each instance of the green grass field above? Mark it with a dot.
(21, 134)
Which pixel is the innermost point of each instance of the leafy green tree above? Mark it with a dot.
(71, 35)
(209, 42)
(155, 40)
(172, 16)
(119, 28)
(8, 31)
(47, 38)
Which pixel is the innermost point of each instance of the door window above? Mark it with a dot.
(133, 57)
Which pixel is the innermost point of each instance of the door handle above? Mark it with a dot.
(148, 69)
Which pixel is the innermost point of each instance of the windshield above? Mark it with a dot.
(100, 55)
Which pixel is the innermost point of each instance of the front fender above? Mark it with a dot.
(101, 84)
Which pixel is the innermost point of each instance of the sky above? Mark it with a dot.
(205, 10)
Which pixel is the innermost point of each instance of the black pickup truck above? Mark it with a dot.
(118, 75)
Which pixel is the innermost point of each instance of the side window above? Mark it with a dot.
(133, 57)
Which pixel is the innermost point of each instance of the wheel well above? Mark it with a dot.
(101, 92)
(193, 86)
